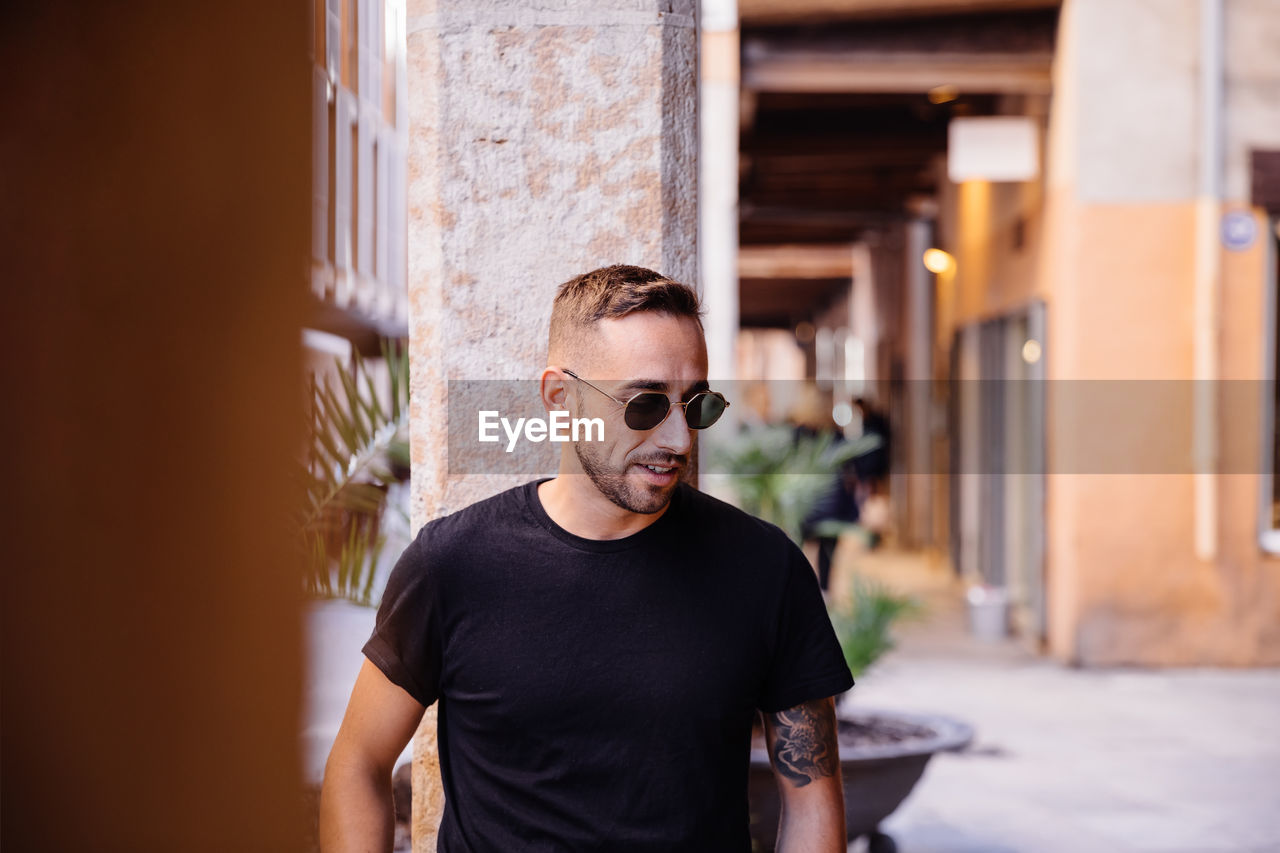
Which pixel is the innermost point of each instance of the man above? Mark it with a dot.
(599, 642)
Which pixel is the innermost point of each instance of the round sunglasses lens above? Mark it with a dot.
(704, 410)
(646, 411)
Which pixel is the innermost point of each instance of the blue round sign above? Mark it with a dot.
(1239, 230)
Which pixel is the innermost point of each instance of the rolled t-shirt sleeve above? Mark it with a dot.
(406, 641)
(807, 662)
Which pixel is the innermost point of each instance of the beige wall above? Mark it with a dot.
(1111, 248)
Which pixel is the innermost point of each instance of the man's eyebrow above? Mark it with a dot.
(642, 385)
(637, 385)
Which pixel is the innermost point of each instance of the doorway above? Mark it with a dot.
(998, 485)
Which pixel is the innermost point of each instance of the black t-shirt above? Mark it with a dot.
(599, 695)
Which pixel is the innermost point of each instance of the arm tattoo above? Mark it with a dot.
(803, 743)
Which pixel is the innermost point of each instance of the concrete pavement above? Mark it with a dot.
(1068, 760)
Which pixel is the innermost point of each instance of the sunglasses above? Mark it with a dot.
(648, 409)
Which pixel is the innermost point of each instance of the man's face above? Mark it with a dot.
(644, 351)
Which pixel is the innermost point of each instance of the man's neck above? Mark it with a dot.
(574, 503)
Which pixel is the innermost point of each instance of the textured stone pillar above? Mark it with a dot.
(545, 139)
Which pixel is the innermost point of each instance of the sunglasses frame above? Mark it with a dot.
(670, 405)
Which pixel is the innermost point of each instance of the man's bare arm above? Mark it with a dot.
(806, 760)
(356, 811)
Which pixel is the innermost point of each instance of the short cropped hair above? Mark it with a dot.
(616, 291)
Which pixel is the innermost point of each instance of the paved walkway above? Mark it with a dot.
(1068, 760)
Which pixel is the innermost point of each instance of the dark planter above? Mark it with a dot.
(882, 756)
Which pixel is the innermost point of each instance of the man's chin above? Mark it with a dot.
(648, 497)
(636, 488)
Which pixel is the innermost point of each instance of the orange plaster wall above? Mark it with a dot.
(1125, 585)
(1134, 291)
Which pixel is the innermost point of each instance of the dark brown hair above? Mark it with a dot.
(617, 291)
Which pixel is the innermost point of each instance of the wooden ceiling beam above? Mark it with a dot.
(902, 73)
(853, 161)
(1009, 49)
(764, 182)
(752, 234)
(828, 205)
(808, 225)
(796, 261)
(861, 217)
(772, 13)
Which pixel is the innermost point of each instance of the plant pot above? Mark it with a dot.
(882, 756)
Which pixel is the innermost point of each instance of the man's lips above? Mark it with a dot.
(661, 466)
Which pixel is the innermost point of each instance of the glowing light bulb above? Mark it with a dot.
(1031, 351)
(937, 261)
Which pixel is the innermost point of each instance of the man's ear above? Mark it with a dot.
(554, 389)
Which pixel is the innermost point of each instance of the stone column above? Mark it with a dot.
(546, 138)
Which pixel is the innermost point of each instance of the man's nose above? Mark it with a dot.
(673, 434)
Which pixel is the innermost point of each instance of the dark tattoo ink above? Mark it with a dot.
(803, 746)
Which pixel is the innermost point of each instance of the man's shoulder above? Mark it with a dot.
(722, 518)
(485, 517)
(746, 550)
(455, 545)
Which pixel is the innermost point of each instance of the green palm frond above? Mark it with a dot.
(780, 476)
(357, 449)
(863, 624)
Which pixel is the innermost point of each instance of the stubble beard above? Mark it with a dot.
(617, 488)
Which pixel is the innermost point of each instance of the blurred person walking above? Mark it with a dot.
(836, 507)
(872, 467)
(871, 472)
(600, 642)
